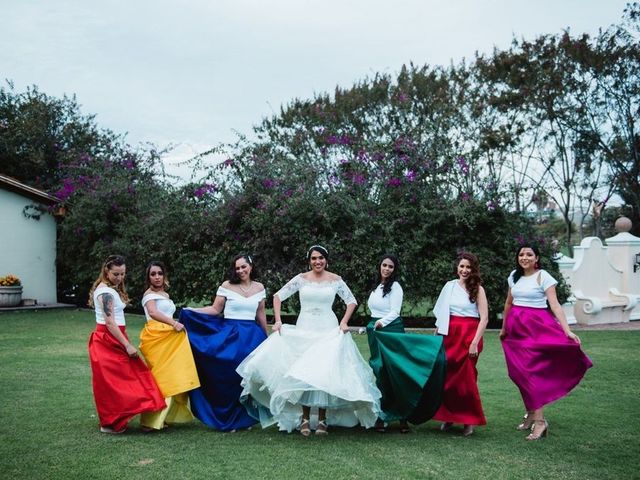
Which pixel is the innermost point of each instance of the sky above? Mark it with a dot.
(195, 73)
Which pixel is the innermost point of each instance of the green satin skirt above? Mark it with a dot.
(410, 371)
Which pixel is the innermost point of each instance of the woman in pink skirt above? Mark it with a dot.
(543, 355)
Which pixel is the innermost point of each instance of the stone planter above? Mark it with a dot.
(10, 296)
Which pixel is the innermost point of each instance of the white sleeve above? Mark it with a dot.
(547, 280)
(441, 308)
(395, 306)
(510, 279)
(345, 294)
(291, 287)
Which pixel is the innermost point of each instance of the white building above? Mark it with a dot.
(28, 245)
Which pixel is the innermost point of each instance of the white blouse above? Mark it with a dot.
(529, 291)
(386, 309)
(239, 307)
(453, 300)
(460, 305)
(163, 305)
(118, 306)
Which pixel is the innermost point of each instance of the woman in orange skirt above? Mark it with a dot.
(461, 316)
(123, 386)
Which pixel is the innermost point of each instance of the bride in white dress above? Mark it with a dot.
(314, 365)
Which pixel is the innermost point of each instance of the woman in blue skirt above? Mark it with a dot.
(220, 343)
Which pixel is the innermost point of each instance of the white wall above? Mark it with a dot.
(28, 248)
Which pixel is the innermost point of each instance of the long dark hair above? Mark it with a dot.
(377, 279)
(111, 261)
(519, 270)
(474, 280)
(233, 276)
(156, 263)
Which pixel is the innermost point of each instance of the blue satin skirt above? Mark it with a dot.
(219, 345)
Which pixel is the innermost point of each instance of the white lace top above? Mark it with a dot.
(118, 305)
(239, 307)
(316, 300)
(529, 291)
(386, 309)
(163, 305)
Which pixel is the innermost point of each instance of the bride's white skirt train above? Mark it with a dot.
(317, 369)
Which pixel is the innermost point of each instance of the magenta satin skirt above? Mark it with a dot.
(543, 363)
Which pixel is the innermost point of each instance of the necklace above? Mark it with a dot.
(246, 290)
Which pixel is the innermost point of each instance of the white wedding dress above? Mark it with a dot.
(312, 364)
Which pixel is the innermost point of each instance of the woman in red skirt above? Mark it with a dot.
(122, 384)
(461, 316)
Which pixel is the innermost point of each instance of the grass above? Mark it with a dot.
(49, 429)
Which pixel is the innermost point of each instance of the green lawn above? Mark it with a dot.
(49, 429)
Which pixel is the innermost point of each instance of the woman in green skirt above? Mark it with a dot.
(410, 369)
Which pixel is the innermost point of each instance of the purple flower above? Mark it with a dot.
(394, 182)
(464, 166)
(334, 180)
(228, 162)
(268, 183)
(205, 188)
(410, 176)
(491, 206)
(402, 97)
(68, 188)
(331, 139)
(465, 196)
(129, 164)
(358, 178)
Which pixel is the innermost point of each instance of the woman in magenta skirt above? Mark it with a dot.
(461, 317)
(543, 355)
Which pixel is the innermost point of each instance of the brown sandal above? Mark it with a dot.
(305, 428)
(322, 428)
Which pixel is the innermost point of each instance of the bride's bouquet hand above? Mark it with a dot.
(277, 325)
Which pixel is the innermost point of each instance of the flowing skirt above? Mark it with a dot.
(122, 386)
(543, 363)
(302, 367)
(219, 345)
(409, 370)
(461, 399)
(169, 357)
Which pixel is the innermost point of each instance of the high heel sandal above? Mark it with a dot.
(379, 426)
(446, 426)
(527, 422)
(541, 434)
(305, 428)
(404, 427)
(468, 431)
(321, 429)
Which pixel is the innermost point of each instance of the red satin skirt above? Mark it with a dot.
(461, 398)
(122, 386)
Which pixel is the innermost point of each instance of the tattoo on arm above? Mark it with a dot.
(107, 304)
